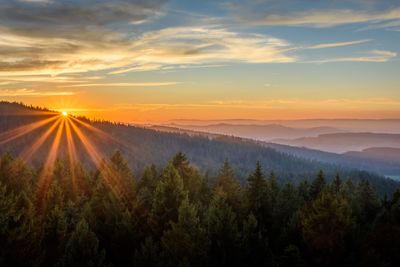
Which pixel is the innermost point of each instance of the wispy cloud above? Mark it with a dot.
(142, 84)
(338, 44)
(30, 92)
(373, 56)
(327, 18)
(144, 67)
(150, 51)
(48, 41)
(194, 45)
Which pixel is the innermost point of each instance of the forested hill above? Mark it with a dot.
(141, 146)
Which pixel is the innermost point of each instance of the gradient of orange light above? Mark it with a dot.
(97, 159)
(106, 136)
(27, 154)
(28, 113)
(72, 154)
(21, 131)
(48, 168)
(101, 133)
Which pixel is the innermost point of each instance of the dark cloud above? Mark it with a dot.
(76, 13)
(46, 34)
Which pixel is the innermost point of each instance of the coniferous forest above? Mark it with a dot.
(174, 215)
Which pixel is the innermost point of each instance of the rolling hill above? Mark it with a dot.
(260, 132)
(385, 154)
(344, 142)
(142, 146)
(382, 163)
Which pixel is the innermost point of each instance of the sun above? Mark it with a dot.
(64, 113)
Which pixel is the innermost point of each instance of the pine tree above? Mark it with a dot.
(325, 224)
(121, 179)
(368, 202)
(82, 248)
(147, 185)
(222, 231)
(168, 196)
(193, 182)
(337, 183)
(185, 243)
(226, 185)
(255, 250)
(15, 174)
(317, 185)
(54, 236)
(23, 238)
(256, 191)
(7, 201)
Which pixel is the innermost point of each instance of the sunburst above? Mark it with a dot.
(64, 126)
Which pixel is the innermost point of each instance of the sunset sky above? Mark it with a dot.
(147, 61)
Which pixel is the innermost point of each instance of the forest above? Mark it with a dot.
(143, 146)
(176, 215)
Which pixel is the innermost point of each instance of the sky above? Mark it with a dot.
(156, 60)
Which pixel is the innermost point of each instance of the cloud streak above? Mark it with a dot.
(373, 56)
(327, 18)
(142, 84)
(30, 92)
(338, 44)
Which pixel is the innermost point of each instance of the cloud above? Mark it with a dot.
(33, 55)
(29, 92)
(53, 37)
(57, 38)
(62, 15)
(326, 18)
(338, 44)
(373, 56)
(141, 84)
(393, 25)
(144, 67)
(195, 45)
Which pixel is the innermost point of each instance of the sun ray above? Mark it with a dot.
(27, 154)
(48, 168)
(96, 130)
(27, 113)
(23, 130)
(100, 132)
(97, 159)
(72, 154)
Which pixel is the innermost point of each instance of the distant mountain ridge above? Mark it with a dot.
(260, 132)
(384, 166)
(388, 154)
(345, 142)
(349, 125)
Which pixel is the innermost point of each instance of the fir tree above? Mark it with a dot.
(82, 248)
(256, 191)
(317, 185)
(325, 224)
(185, 243)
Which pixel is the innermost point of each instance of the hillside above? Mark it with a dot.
(386, 154)
(260, 132)
(379, 163)
(143, 146)
(382, 163)
(349, 125)
(344, 142)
